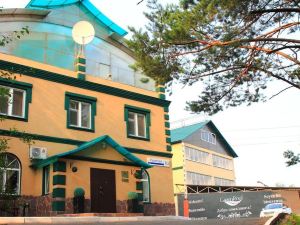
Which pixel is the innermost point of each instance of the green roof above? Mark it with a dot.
(104, 138)
(180, 134)
(48, 4)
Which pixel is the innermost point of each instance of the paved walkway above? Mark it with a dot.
(128, 221)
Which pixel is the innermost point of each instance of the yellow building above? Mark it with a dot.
(201, 156)
(96, 124)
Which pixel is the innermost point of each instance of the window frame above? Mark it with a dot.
(81, 99)
(144, 171)
(26, 88)
(46, 177)
(211, 137)
(2, 186)
(136, 110)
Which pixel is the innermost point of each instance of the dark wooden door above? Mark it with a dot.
(103, 191)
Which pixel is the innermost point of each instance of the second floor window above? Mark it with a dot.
(80, 114)
(12, 102)
(137, 122)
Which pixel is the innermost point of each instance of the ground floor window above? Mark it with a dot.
(46, 172)
(10, 173)
(146, 186)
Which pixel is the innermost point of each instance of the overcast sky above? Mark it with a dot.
(259, 133)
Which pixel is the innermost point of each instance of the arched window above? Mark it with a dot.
(10, 174)
(146, 186)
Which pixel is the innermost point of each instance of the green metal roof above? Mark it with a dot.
(179, 134)
(105, 138)
(48, 4)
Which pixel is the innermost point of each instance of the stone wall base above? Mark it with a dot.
(159, 209)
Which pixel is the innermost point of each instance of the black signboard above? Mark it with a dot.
(227, 205)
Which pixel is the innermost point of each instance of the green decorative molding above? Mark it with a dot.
(107, 161)
(169, 148)
(139, 185)
(160, 89)
(162, 96)
(166, 109)
(167, 124)
(41, 137)
(59, 166)
(80, 68)
(138, 174)
(177, 168)
(59, 180)
(58, 206)
(63, 79)
(140, 197)
(80, 60)
(168, 140)
(59, 193)
(167, 132)
(81, 76)
(150, 152)
(167, 117)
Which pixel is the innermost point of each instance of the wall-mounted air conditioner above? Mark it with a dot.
(38, 153)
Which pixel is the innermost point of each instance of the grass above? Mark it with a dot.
(292, 219)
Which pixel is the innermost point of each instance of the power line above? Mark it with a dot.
(266, 143)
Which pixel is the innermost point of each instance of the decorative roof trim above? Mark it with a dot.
(88, 5)
(105, 138)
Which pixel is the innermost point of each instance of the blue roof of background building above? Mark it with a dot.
(86, 3)
(179, 134)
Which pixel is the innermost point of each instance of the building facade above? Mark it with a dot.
(201, 156)
(91, 123)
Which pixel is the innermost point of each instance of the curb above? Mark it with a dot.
(274, 219)
(77, 220)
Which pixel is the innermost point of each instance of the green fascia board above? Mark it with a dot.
(41, 137)
(91, 143)
(87, 4)
(75, 82)
(179, 134)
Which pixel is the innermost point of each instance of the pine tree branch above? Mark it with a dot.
(262, 11)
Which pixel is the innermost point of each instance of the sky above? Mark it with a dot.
(259, 134)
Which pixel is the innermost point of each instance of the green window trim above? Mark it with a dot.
(146, 112)
(81, 98)
(28, 96)
(46, 175)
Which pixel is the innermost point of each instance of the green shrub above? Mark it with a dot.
(79, 192)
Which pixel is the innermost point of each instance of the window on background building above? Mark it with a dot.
(81, 111)
(10, 173)
(138, 122)
(208, 137)
(146, 186)
(46, 180)
(224, 182)
(222, 162)
(197, 155)
(193, 178)
(12, 102)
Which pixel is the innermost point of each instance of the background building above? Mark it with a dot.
(96, 124)
(201, 156)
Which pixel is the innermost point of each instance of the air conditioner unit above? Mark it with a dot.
(38, 153)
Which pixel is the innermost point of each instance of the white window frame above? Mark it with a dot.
(79, 111)
(4, 170)
(208, 137)
(136, 124)
(145, 180)
(222, 162)
(10, 102)
(46, 183)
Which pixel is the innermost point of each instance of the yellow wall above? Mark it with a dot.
(190, 166)
(47, 116)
